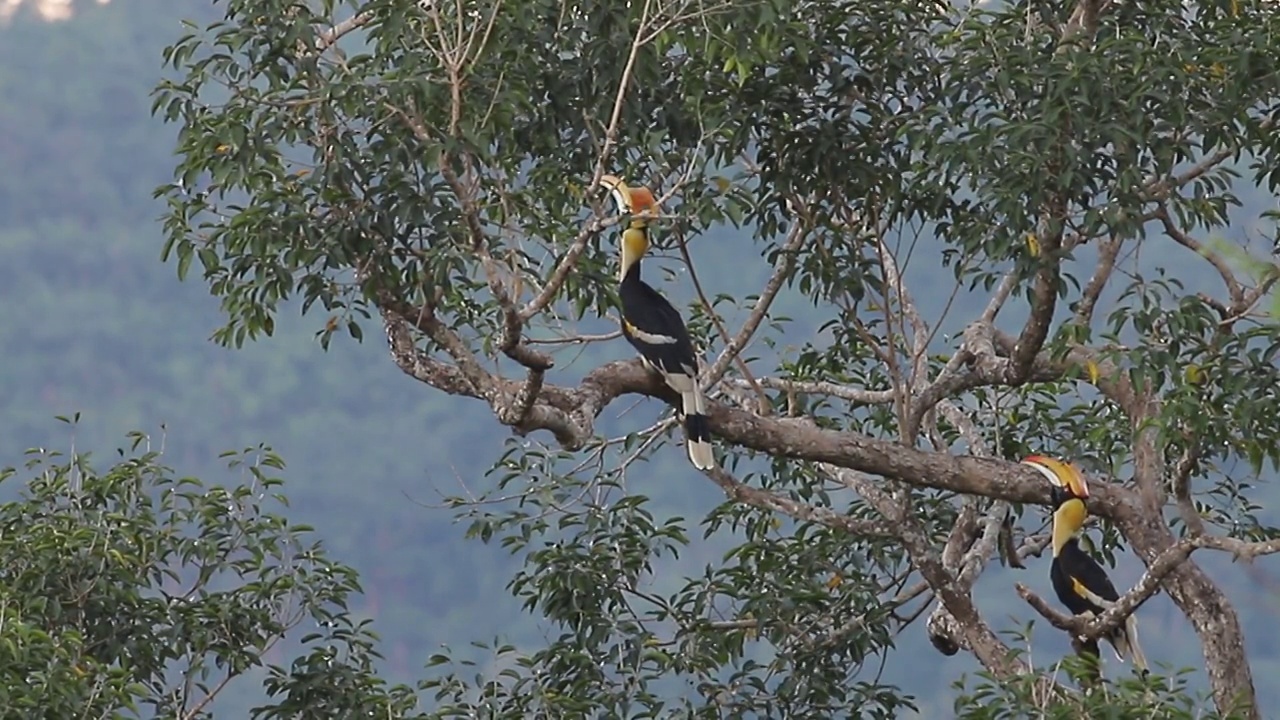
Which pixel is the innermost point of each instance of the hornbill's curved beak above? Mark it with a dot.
(1061, 474)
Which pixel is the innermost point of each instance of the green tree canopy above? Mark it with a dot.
(432, 170)
(130, 591)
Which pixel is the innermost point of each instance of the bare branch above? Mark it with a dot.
(1160, 190)
(1181, 489)
(1219, 263)
(920, 335)
(1168, 561)
(1252, 297)
(931, 395)
(766, 500)
(864, 486)
(860, 396)
(331, 36)
(998, 298)
(576, 339)
(985, 367)
(1101, 275)
(611, 133)
(781, 271)
(1067, 623)
(563, 268)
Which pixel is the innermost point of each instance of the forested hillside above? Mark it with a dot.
(95, 323)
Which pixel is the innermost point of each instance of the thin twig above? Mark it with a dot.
(724, 333)
(781, 272)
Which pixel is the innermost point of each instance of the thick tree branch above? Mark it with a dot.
(972, 631)
(422, 366)
(424, 318)
(1044, 300)
(1113, 383)
(1149, 467)
(513, 403)
(570, 414)
(966, 628)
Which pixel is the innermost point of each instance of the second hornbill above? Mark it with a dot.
(652, 324)
(1078, 579)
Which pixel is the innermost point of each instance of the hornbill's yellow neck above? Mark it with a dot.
(636, 202)
(1067, 521)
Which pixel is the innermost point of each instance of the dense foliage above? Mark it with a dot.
(435, 170)
(131, 589)
(101, 328)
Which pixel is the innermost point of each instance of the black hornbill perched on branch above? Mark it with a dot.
(1078, 580)
(653, 326)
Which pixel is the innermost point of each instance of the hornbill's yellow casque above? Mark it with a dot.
(653, 326)
(1079, 581)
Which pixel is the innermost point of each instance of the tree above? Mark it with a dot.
(129, 591)
(433, 169)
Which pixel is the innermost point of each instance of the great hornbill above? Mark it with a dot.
(653, 326)
(1078, 580)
